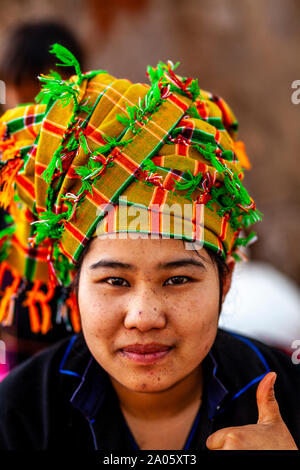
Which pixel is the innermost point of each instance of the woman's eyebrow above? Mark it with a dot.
(109, 263)
(180, 263)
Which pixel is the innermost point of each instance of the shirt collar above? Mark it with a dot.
(95, 384)
(215, 389)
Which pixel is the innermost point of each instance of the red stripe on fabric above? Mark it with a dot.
(226, 119)
(97, 197)
(220, 244)
(178, 102)
(184, 122)
(224, 229)
(197, 221)
(32, 152)
(159, 196)
(124, 160)
(158, 160)
(202, 109)
(37, 253)
(181, 150)
(53, 128)
(40, 209)
(94, 134)
(155, 221)
(29, 216)
(170, 180)
(26, 184)
(200, 167)
(75, 232)
(70, 258)
(29, 120)
(40, 168)
(71, 172)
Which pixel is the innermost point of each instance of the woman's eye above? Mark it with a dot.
(120, 282)
(178, 280)
(115, 281)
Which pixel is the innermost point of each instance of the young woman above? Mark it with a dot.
(150, 369)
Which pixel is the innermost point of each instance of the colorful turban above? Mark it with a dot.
(95, 142)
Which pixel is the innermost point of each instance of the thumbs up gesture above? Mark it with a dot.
(269, 433)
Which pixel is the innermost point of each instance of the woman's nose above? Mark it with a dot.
(145, 311)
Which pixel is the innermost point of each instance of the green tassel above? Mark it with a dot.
(138, 113)
(252, 217)
(194, 89)
(54, 89)
(149, 165)
(62, 266)
(49, 226)
(83, 143)
(193, 112)
(155, 74)
(191, 185)
(236, 257)
(54, 164)
(7, 231)
(246, 241)
(67, 58)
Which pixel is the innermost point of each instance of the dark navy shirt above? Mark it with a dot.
(95, 391)
(62, 399)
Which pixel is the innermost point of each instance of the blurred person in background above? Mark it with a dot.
(26, 56)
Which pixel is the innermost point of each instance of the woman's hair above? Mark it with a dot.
(222, 267)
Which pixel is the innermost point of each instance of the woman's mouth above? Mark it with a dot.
(145, 354)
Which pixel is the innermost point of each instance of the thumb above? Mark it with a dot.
(268, 409)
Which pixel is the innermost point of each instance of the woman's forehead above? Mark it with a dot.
(143, 250)
(135, 242)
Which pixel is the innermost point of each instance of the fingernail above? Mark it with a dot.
(274, 377)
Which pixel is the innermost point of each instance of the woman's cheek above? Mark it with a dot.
(100, 315)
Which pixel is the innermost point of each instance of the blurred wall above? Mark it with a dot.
(247, 51)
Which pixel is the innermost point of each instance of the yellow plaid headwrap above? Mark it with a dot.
(97, 145)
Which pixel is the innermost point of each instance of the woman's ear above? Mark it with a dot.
(230, 261)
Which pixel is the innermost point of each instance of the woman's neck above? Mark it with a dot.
(160, 405)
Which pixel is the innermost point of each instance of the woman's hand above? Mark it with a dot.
(270, 432)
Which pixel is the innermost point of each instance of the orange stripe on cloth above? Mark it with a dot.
(224, 228)
(97, 197)
(8, 298)
(179, 103)
(124, 160)
(39, 323)
(26, 184)
(29, 117)
(170, 180)
(53, 129)
(38, 253)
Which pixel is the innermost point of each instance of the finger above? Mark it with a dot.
(268, 409)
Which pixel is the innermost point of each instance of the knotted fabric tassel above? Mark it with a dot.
(74, 312)
(39, 323)
(9, 295)
(7, 177)
(3, 267)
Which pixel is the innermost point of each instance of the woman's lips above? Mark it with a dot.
(144, 358)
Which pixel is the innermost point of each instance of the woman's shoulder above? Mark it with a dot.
(34, 396)
(35, 370)
(243, 362)
(240, 348)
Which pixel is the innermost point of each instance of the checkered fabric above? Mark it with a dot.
(96, 142)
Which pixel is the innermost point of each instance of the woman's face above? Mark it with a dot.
(144, 291)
